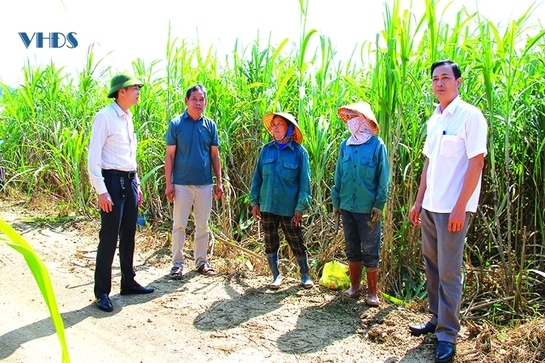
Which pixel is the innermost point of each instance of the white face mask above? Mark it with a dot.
(354, 125)
(360, 130)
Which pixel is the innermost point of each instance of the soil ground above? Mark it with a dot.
(229, 317)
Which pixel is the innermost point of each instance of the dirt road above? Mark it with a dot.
(222, 318)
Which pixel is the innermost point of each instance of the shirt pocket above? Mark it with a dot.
(451, 145)
(268, 166)
(367, 169)
(289, 171)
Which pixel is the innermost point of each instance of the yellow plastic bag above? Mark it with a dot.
(335, 276)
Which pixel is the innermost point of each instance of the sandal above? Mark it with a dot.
(206, 269)
(176, 273)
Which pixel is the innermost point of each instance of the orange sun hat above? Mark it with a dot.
(297, 136)
(362, 108)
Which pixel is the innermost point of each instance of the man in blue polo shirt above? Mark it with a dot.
(191, 155)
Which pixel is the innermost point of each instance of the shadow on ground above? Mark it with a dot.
(241, 307)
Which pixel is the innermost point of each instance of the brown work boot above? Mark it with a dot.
(354, 268)
(372, 277)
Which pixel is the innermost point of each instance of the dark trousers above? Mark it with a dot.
(294, 235)
(120, 222)
(362, 238)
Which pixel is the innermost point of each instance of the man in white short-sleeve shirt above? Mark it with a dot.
(449, 190)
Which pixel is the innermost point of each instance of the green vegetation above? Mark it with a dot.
(43, 280)
(48, 121)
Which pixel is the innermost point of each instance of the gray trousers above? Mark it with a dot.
(443, 253)
(198, 198)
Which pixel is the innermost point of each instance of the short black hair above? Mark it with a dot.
(447, 62)
(197, 87)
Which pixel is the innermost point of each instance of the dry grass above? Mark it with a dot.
(491, 344)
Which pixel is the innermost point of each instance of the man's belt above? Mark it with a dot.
(126, 174)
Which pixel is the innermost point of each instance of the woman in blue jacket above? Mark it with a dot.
(280, 192)
(362, 178)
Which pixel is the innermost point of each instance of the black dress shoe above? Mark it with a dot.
(103, 302)
(420, 329)
(135, 288)
(444, 352)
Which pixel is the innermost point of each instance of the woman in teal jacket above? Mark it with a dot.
(362, 178)
(280, 192)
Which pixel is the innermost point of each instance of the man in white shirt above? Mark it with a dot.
(112, 170)
(449, 189)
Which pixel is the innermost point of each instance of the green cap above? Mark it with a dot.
(122, 80)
